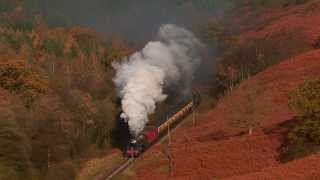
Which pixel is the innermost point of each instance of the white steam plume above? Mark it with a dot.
(142, 77)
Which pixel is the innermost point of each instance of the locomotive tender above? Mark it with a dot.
(152, 133)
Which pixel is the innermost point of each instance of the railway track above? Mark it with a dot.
(117, 170)
(127, 162)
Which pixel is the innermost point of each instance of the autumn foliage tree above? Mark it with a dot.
(304, 137)
(17, 78)
(14, 148)
(64, 103)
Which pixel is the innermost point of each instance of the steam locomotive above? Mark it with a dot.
(152, 132)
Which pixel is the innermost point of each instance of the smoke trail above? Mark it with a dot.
(142, 77)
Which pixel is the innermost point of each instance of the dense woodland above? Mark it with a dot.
(58, 104)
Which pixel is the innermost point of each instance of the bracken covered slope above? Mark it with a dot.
(307, 168)
(297, 20)
(216, 149)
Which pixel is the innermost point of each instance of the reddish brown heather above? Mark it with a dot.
(215, 149)
(294, 19)
(307, 168)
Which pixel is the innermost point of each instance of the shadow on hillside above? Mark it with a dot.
(220, 136)
(120, 134)
(283, 129)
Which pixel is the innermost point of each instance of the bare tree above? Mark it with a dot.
(166, 152)
(244, 111)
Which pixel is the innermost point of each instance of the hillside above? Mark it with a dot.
(215, 148)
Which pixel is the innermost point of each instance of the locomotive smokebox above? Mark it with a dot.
(124, 117)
